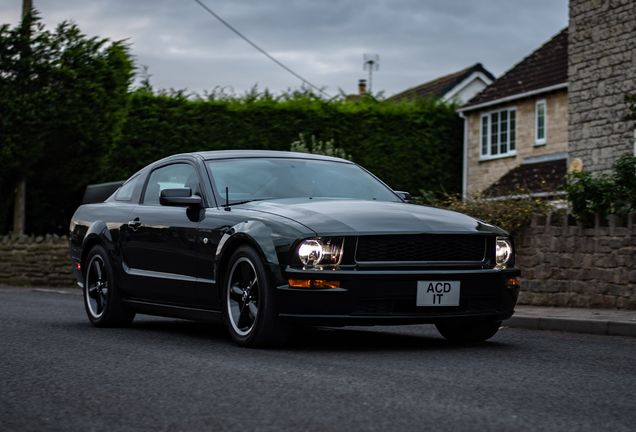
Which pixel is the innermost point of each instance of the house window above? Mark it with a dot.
(499, 133)
(539, 122)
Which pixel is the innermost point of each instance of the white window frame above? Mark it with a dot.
(486, 134)
(540, 141)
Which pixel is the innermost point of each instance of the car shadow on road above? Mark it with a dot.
(183, 328)
(345, 339)
(369, 339)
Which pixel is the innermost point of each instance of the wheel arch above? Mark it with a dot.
(97, 234)
(254, 234)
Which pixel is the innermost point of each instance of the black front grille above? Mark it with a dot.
(421, 248)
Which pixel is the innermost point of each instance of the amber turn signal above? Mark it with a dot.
(512, 282)
(306, 283)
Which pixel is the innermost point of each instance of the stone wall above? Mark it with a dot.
(566, 264)
(601, 70)
(36, 261)
(562, 263)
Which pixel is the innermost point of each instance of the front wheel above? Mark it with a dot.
(249, 308)
(101, 296)
(468, 332)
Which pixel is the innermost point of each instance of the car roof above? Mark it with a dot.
(233, 154)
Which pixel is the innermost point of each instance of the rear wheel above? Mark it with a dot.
(468, 332)
(101, 296)
(249, 308)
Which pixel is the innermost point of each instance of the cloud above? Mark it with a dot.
(417, 40)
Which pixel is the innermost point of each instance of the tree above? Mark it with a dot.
(63, 98)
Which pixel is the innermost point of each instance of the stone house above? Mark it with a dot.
(460, 86)
(516, 129)
(602, 70)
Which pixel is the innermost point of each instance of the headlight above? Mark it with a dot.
(503, 253)
(320, 251)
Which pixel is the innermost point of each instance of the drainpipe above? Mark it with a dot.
(465, 158)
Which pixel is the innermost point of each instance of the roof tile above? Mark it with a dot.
(545, 67)
(532, 178)
(440, 86)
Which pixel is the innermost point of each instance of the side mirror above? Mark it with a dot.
(405, 196)
(180, 197)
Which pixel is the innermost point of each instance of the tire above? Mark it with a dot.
(468, 332)
(101, 295)
(248, 304)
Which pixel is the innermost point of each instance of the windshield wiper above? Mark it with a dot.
(228, 203)
(242, 202)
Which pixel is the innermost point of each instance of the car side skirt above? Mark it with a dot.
(171, 311)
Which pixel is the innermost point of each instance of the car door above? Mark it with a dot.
(161, 241)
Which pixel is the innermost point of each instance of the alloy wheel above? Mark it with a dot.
(243, 296)
(97, 286)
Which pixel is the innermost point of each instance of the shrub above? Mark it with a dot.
(605, 194)
(512, 213)
(409, 145)
(318, 147)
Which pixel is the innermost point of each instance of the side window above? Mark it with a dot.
(539, 122)
(171, 176)
(125, 192)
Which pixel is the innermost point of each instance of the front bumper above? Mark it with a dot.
(388, 297)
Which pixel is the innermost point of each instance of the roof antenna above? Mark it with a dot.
(227, 199)
(371, 62)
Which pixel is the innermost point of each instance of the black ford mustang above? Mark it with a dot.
(263, 241)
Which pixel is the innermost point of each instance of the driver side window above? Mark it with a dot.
(171, 176)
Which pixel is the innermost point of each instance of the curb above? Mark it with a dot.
(574, 325)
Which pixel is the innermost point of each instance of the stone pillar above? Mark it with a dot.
(601, 70)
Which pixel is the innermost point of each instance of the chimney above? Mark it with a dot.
(362, 86)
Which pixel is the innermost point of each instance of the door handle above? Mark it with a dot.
(134, 224)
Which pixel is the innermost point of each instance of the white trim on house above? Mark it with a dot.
(477, 75)
(514, 97)
(545, 158)
(518, 196)
(465, 158)
(540, 141)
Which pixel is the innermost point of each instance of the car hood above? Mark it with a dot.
(342, 217)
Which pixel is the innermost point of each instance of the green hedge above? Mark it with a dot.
(410, 145)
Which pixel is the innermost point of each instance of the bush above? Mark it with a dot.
(409, 145)
(318, 147)
(605, 194)
(511, 213)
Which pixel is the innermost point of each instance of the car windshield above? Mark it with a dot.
(261, 179)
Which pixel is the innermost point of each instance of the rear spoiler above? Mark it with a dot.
(100, 192)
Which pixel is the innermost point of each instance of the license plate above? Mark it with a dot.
(437, 293)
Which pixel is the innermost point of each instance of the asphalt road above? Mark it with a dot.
(57, 372)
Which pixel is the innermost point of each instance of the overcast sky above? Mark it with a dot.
(323, 41)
